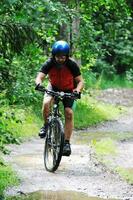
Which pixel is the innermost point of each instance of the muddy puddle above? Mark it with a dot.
(50, 195)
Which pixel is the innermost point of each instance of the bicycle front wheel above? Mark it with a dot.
(53, 145)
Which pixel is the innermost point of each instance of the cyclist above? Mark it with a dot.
(63, 73)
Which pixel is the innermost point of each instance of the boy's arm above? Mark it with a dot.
(40, 77)
(80, 83)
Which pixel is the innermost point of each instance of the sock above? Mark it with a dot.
(66, 141)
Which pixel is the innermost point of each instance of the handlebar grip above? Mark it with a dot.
(39, 87)
(77, 95)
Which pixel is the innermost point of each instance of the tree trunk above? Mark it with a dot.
(70, 32)
(75, 32)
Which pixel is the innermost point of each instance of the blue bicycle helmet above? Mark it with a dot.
(60, 47)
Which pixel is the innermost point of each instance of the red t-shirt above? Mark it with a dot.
(61, 78)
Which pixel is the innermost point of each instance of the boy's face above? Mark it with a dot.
(60, 59)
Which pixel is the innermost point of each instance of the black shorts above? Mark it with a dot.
(67, 102)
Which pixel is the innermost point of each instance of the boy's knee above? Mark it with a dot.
(68, 113)
(46, 105)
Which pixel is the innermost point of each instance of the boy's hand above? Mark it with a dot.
(77, 94)
(37, 86)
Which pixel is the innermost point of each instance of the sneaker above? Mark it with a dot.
(43, 130)
(66, 149)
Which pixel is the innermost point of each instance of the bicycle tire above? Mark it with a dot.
(53, 145)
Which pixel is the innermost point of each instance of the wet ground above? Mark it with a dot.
(78, 176)
(60, 195)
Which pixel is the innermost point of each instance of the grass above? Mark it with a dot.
(18, 124)
(7, 178)
(126, 174)
(22, 123)
(89, 112)
(116, 82)
(104, 150)
(104, 82)
(104, 147)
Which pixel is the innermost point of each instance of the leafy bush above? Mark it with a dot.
(23, 69)
(6, 134)
(129, 75)
(16, 123)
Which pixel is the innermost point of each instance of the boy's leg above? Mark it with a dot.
(68, 123)
(47, 101)
(68, 131)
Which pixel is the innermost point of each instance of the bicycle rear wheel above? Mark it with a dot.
(53, 145)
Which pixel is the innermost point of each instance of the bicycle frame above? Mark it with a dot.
(56, 107)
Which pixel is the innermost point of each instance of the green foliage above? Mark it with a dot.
(116, 82)
(126, 174)
(7, 178)
(106, 35)
(103, 82)
(6, 134)
(16, 125)
(27, 29)
(129, 76)
(104, 147)
(106, 151)
(89, 112)
(19, 84)
(24, 69)
(24, 22)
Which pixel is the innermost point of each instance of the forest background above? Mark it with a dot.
(100, 34)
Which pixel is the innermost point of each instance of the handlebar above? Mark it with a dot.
(73, 95)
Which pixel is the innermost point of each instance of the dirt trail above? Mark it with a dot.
(77, 172)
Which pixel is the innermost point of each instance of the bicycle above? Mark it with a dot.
(54, 141)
